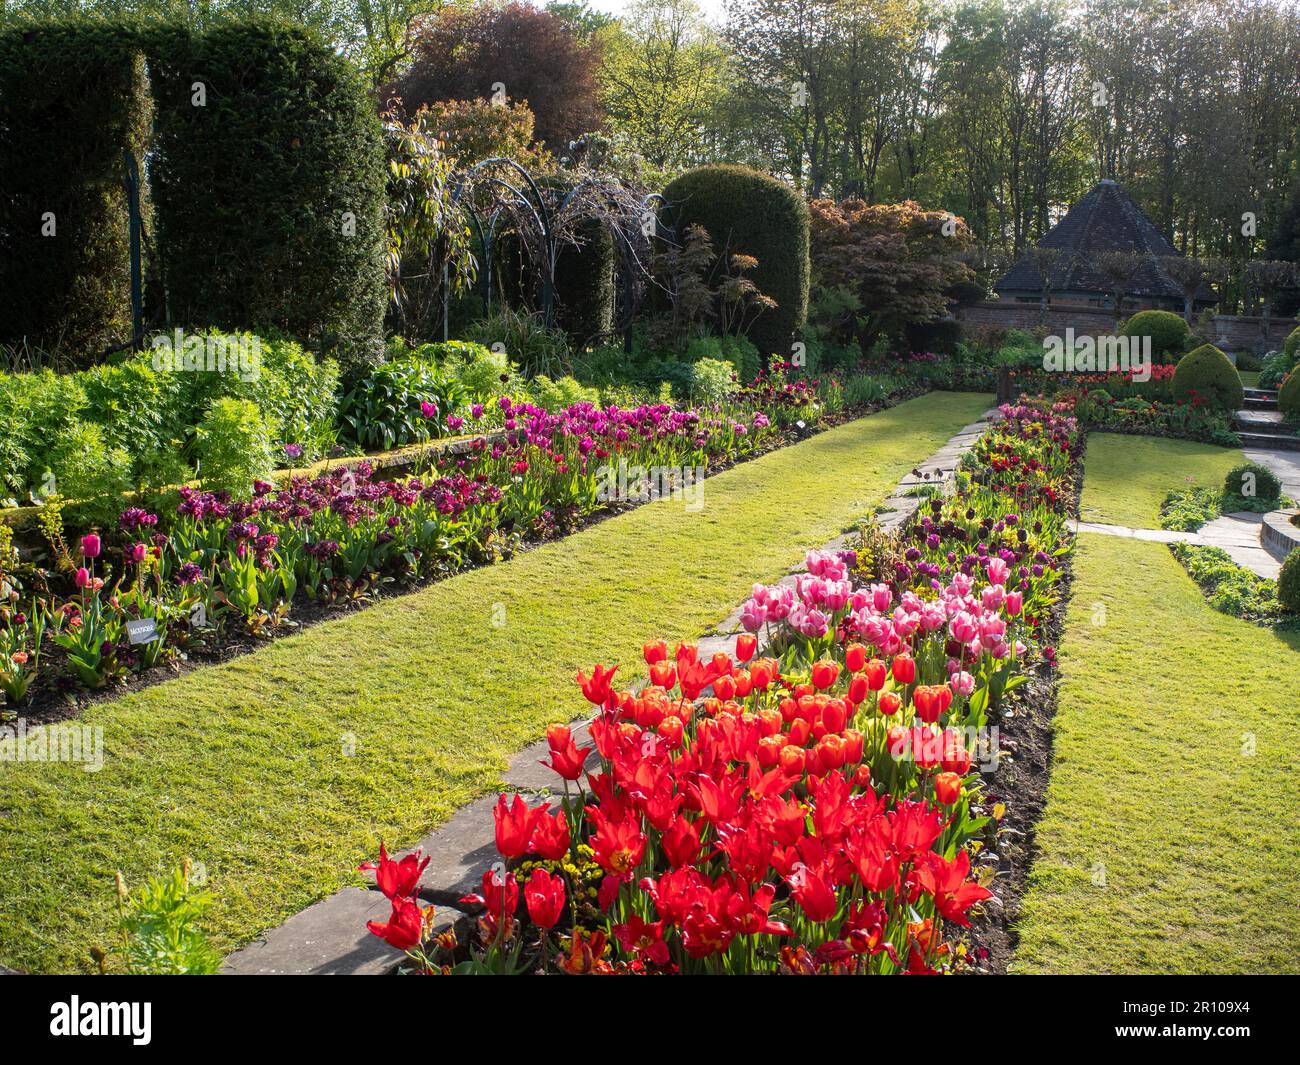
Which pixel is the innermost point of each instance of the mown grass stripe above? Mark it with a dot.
(1169, 839)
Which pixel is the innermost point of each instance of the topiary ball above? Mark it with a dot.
(1288, 583)
(1250, 480)
(1288, 396)
(1167, 331)
(1292, 344)
(1207, 374)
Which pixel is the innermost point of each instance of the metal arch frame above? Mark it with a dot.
(544, 220)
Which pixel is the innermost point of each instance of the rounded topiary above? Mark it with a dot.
(1167, 330)
(1288, 396)
(1288, 583)
(1292, 344)
(1207, 374)
(749, 213)
(1250, 480)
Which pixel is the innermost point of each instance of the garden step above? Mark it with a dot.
(1261, 421)
(1261, 393)
(1254, 403)
(1273, 441)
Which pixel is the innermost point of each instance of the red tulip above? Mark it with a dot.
(681, 843)
(617, 845)
(904, 669)
(405, 927)
(550, 838)
(875, 671)
(792, 760)
(930, 701)
(855, 657)
(567, 758)
(746, 646)
(890, 704)
(654, 651)
(544, 897)
(824, 674)
(663, 675)
(515, 825)
(815, 897)
(947, 788)
(597, 689)
(858, 688)
(946, 881)
(396, 879)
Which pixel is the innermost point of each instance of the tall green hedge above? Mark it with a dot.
(749, 213)
(73, 99)
(584, 284)
(270, 195)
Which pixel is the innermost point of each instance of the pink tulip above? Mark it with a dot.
(90, 545)
(83, 577)
(1014, 602)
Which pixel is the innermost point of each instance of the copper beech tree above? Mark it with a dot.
(883, 267)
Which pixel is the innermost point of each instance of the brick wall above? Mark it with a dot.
(1232, 332)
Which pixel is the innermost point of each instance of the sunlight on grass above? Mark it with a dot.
(1127, 477)
(1168, 843)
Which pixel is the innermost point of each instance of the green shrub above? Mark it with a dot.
(1207, 374)
(744, 357)
(1276, 365)
(1292, 345)
(1288, 396)
(941, 336)
(385, 407)
(234, 447)
(1288, 584)
(712, 381)
(1168, 331)
(746, 212)
(73, 98)
(528, 343)
(1252, 482)
(555, 396)
(93, 476)
(270, 197)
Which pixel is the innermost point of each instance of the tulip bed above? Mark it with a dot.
(812, 809)
(218, 568)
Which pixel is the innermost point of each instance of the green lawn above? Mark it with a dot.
(1128, 477)
(241, 766)
(1169, 839)
(1249, 378)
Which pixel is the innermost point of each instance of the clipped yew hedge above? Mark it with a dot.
(750, 213)
(74, 99)
(269, 184)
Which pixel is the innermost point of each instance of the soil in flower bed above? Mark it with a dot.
(1020, 784)
(63, 700)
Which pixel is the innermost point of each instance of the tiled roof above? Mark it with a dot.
(1106, 219)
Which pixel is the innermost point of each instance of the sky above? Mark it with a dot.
(712, 8)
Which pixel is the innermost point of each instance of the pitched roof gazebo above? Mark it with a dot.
(1105, 220)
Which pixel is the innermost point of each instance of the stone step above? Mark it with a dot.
(1261, 421)
(1270, 440)
(1261, 393)
(1260, 403)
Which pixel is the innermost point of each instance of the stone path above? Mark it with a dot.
(1237, 534)
(330, 936)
